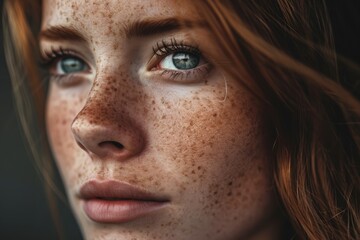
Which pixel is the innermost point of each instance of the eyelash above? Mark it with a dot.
(48, 57)
(164, 48)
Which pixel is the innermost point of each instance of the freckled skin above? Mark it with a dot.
(206, 148)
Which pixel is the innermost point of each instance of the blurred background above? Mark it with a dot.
(24, 211)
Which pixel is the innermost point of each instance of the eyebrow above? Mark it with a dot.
(140, 28)
(154, 26)
(62, 33)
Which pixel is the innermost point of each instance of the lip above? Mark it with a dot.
(117, 202)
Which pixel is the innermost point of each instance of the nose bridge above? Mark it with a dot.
(104, 127)
(100, 104)
(112, 83)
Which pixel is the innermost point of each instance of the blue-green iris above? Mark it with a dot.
(185, 61)
(71, 65)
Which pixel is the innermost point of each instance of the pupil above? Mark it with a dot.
(185, 61)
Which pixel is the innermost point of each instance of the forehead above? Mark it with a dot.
(90, 13)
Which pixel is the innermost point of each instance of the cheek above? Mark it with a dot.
(60, 112)
(217, 153)
(206, 130)
(206, 138)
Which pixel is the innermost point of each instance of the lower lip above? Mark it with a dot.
(119, 211)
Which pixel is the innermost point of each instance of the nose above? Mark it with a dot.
(105, 129)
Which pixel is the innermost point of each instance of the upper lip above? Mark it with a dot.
(115, 190)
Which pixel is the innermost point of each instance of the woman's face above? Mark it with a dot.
(152, 139)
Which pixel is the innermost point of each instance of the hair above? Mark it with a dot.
(283, 53)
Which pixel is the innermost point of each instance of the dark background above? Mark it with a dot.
(24, 212)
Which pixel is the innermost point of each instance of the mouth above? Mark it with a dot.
(117, 202)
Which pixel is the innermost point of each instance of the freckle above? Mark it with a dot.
(115, 46)
(229, 193)
(233, 104)
(230, 183)
(215, 115)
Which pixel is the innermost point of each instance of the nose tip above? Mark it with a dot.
(107, 141)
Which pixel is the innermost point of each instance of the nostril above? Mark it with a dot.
(117, 144)
(111, 144)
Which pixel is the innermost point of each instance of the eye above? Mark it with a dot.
(64, 67)
(70, 64)
(180, 61)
